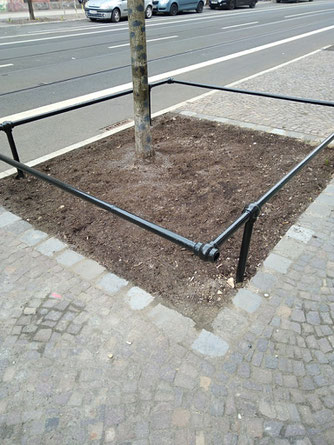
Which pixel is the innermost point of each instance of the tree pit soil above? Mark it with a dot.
(203, 175)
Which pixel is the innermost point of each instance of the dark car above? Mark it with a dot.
(231, 4)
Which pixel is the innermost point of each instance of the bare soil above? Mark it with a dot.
(203, 175)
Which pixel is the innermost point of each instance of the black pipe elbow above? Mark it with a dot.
(6, 126)
(206, 252)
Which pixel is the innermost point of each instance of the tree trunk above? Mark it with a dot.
(136, 10)
(31, 10)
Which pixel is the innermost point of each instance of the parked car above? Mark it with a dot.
(172, 7)
(231, 4)
(291, 1)
(112, 10)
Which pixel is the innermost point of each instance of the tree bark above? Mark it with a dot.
(136, 11)
(31, 10)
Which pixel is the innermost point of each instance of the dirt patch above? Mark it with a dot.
(203, 176)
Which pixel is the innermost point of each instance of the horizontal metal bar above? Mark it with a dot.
(159, 82)
(256, 206)
(255, 93)
(270, 193)
(82, 104)
(243, 218)
(206, 252)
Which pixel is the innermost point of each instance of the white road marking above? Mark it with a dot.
(7, 64)
(307, 13)
(80, 144)
(241, 24)
(147, 41)
(267, 23)
(61, 37)
(166, 75)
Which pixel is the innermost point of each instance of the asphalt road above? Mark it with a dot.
(50, 63)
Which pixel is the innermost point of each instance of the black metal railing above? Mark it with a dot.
(208, 251)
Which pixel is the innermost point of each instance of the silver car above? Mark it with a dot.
(112, 10)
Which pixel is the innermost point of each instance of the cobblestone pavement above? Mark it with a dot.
(88, 358)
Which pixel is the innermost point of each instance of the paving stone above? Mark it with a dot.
(230, 439)
(329, 401)
(43, 335)
(298, 315)
(171, 322)
(228, 321)
(138, 298)
(112, 283)
(88, 269)
(300, 233)
(18, 227)
(51, 424)
(257, 358)
(271, 362)
(312, 317)
(254, 428)
(295, 430)
(320, 380)
(289, 248)
(33, 237)
(50, 247)
(298, 368)
(7, 218)
(69, 258)
(273, 428)
(323, 416)
(277, 263)
(53, 315)
(324, 345)
(29, 311)
(264, 281)
(263, 376)
(304, 441)
(317, 209)
(244, 370)
(209, 344)
(247, 300)
(290, 381)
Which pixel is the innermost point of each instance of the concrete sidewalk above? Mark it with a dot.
(87, 357)
(44, 14)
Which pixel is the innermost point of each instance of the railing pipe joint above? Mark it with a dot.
(7, 126)
(254, 210)
(206, 252)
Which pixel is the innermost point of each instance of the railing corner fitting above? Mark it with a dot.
(207, 252)
(254, 210)
(6, 126)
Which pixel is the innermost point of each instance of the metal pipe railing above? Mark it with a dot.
(65, 109)
(206, 252)
(270, 193)
(253, 93)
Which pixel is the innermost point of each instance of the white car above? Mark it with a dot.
(112, 10)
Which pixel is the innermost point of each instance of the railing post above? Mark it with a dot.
(7, 128)
(254, 211)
